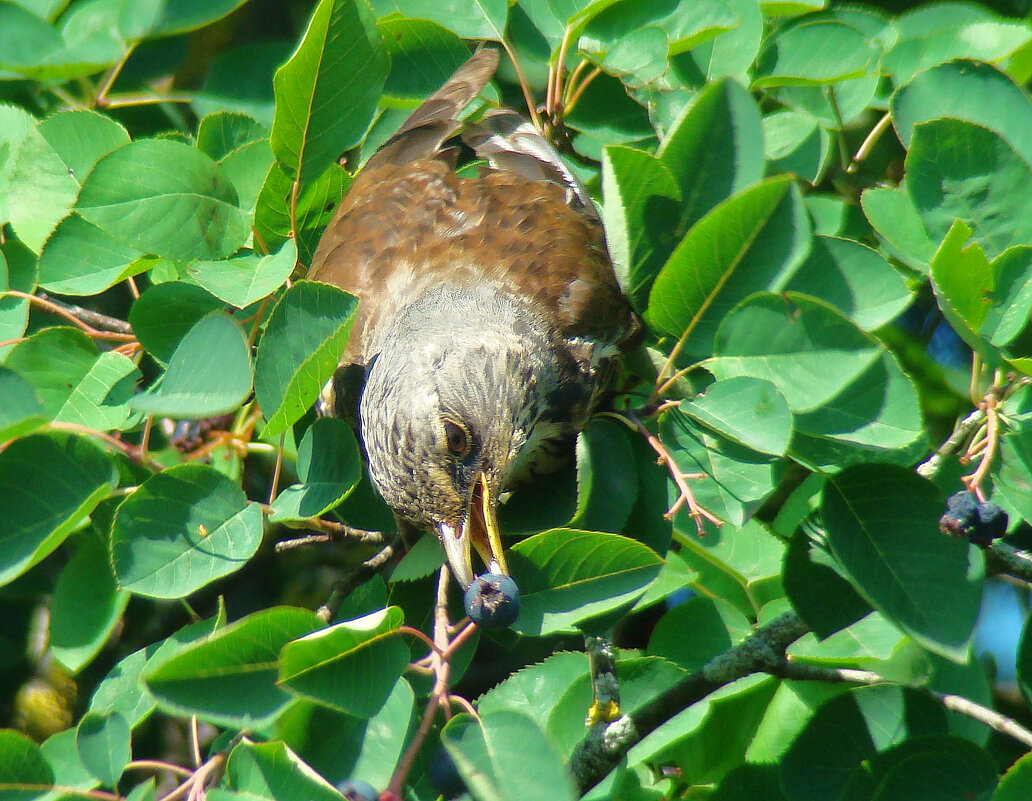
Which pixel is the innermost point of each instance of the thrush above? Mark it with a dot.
(488, 316)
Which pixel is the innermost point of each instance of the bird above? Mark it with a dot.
(488, 321)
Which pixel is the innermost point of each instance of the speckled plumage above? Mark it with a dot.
(487, 303)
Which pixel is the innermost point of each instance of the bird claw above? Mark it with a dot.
(600, 712)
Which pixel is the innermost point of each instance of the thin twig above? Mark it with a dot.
(697, 513)
(992, 436)
(132, 451)
(53, 308)
(154, 764)
(1008, 560)
(955, 703)
(112, 75)
(343, 588)
(195, 742)
(528, 97)
(868, 144)
(964, 430)
(144, 99)
(277, 471)
(576, 95)
(95, 319)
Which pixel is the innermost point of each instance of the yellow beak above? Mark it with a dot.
(479, 530)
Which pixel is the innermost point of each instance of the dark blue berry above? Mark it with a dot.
(493, 601)
(992, 523)
(961, 518)
(444, 776)
(358, 790)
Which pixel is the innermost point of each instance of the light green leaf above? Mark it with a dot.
(470, 19)
(749, 411)
(166, 199)
(209, 373)
(567, 576)
(492, 769)
(22, 411)
(815, 52)
(327, 92)
(273, 771)
(100, 399)
(303, 342)
(103, 745)
(182, 529)
(81, 259)
(22, 763)
(242, 280)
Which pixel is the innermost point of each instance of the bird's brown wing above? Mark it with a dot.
(409, 222)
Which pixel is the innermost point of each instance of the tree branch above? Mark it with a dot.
(955, 703)
(606, 743)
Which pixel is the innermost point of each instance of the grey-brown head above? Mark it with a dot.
(464, 393)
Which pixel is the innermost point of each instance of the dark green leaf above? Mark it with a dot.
(715, 626)
(229, 678)
(882, 526)
(303, 342)
(24, 771)
(606, 485)
(329, 465)
(22, 411)
(351, 667)
(470, 19)
(423, 55)
(182, 529)
(87, 605)
(49, 486)
(242, 280)
(165, 313)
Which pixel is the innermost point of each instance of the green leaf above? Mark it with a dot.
(536, 690)
(716, 626)
(854, 279)
(209, 373)
(165, 199)
(87, 605)
(882, 527)
(852, 728)
(103, 745)
(22, 411)
(423, 55)
(224, 132)
(933, 35)
(796, 143)
(24, 772)
(958, 170)
(966, 90)
(81, 259)
(808, 350)
(748, 411)
(303, 342)
(815, 51)
(63, 756)
(351, 667)
(54, 361)
(229, 677)
(713, 151)
(49, 484)
(273, 771)
(327, 92)
(984, 302)
(736, 479)
(101, 398)
(16, 124)
(492, 769)
(242, 280)
(188, 15)
(750, 243)
(894, 217)
(606, 485)
(567, 576)
(329, 465)
(1016, 782)
(470, 19)
(165, 313)
(182, 529)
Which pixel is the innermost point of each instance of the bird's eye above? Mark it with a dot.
(458, 441)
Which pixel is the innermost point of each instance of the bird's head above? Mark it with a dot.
(453, 403)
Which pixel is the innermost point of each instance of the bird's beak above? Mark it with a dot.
(479, 530)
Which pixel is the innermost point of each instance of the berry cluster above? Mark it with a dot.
(966, 517)
(493, 601)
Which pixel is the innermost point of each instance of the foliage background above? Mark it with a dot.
(821, 212)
